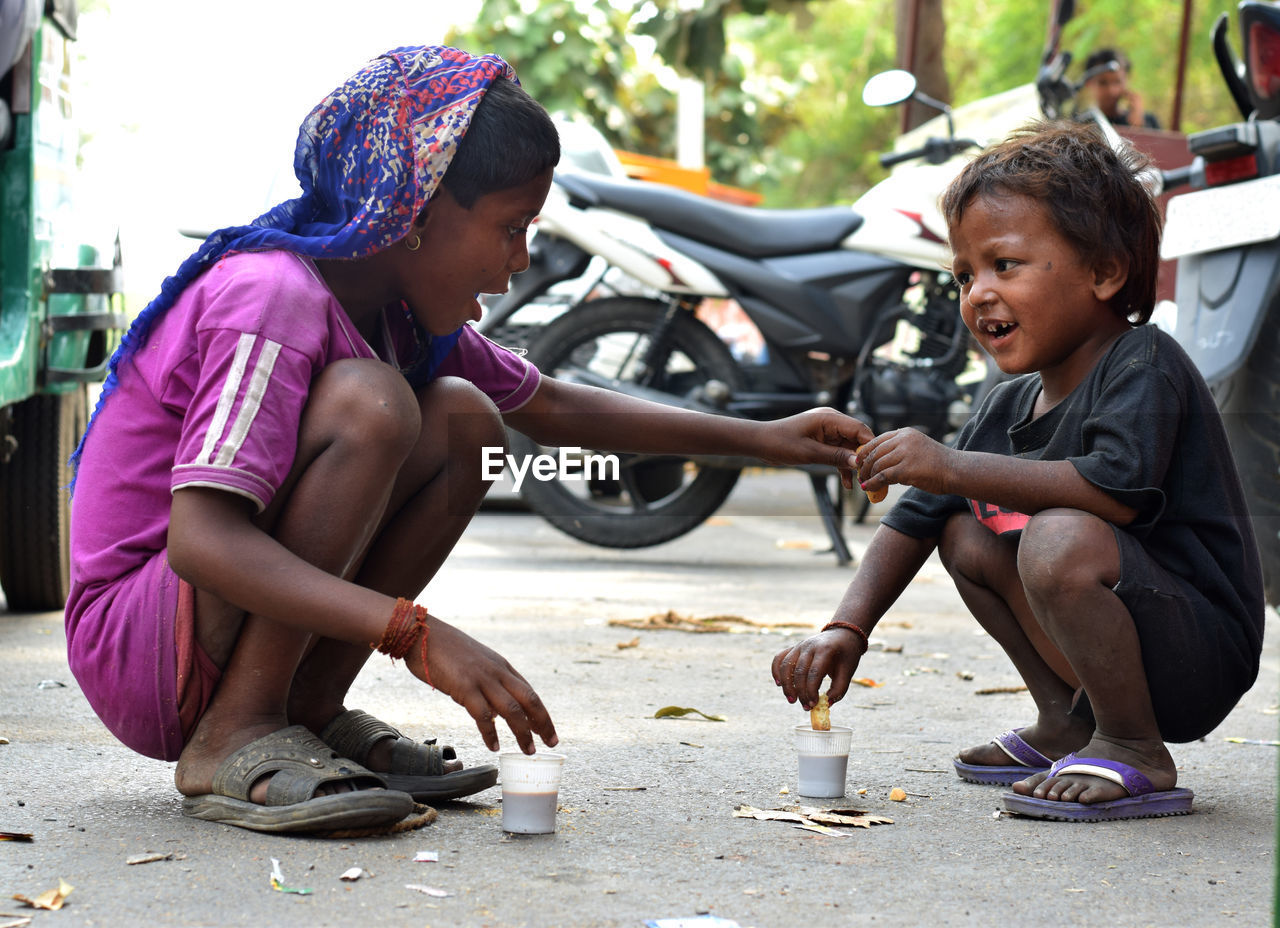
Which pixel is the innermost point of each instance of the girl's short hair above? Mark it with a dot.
(1094, 195)
(511, 141)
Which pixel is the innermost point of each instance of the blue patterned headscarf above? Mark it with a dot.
(369, 157)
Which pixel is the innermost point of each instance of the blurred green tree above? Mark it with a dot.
(784, 77)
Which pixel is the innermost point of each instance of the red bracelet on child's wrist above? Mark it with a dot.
(408, 623)
(866, 640)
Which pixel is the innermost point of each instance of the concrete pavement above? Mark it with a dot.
(646, 827)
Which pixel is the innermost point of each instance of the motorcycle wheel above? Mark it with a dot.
(655, 498)
(1252, 419)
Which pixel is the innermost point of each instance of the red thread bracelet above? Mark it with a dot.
(408, 621)
(866, 640)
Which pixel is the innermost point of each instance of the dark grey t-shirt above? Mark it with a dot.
(1143, 427)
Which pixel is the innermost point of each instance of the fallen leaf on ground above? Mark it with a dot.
(146, 858)
(822, 830)
(992, 690)
(713, 623)
(50, 900)
(672, 712)
(811, 816)
(865, 681)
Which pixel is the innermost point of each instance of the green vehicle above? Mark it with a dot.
(58, 302)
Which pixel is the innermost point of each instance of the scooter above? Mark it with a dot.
(1226, 238)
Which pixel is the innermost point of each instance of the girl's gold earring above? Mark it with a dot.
(415, 244)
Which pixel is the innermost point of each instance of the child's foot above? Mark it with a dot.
(1150, 758)
(213, 743)
(427, 772)
(1053, 740)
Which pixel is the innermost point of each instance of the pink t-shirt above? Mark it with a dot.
(213, 398)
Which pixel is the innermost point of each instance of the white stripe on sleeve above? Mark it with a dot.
(252, 402)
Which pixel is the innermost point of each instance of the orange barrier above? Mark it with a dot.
(696, 180)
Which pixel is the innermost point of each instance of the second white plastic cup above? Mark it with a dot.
(530, 791)
(823, 758)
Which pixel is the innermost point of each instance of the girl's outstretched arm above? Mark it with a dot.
(564, 414)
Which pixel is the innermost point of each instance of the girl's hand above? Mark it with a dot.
(819, 436)
(907, 457)
(481, 681)
(801, 668)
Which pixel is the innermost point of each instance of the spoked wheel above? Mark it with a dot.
(647, 499)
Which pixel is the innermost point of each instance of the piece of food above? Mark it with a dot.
(820, 715)
(876, 496)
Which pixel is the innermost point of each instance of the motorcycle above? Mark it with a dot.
(1226, 239)
(853, 308)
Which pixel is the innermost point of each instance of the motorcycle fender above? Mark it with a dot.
(1222, 299)
(630, 244)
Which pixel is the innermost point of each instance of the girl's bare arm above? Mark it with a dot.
(564, 414)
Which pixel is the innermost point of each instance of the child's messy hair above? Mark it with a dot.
(1094, 195)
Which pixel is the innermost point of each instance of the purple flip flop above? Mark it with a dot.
(1143, 801)
(1028, 761)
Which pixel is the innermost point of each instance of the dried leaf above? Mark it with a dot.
(673, 621)
(812, 816)
(822, 830)
(768, 815)
(866, 681)
(50, 900)
(671, 712)
(146, 858)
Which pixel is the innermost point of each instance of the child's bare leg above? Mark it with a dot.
(360, 422)
(985, 570)
(439, 489)
(1069, 563)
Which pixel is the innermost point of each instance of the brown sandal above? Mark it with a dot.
(416, 769)
(298, 763)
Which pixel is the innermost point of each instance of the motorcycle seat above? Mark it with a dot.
(742, 230)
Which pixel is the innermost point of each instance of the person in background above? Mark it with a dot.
(1106, 80)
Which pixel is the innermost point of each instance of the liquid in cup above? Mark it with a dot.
(530, 791)
(823, 758)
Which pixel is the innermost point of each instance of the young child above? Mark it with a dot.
(1090, 513)
(289, 445)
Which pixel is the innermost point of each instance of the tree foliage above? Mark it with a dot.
(784, 77)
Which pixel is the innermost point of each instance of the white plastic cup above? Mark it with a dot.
(530, 791)
(823, 760)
